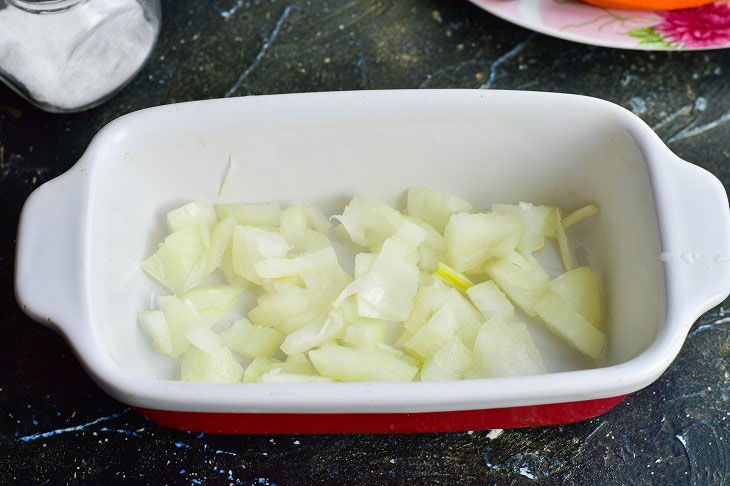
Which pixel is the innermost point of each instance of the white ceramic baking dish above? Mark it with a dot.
(661, 242)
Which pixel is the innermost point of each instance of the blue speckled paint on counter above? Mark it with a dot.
(57, 427)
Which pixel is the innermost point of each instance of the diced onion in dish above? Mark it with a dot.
(251, 245)
(220, 239)
(180, 316)
(294, 365)
(314, 334)
(268, 214)
(435, 207)
(300, 217)
(438, 329)
(537, 223)
(473, 239)
(318, 220)
(443, 291)
(250, 340)
(490, 301)
(191, 213)
(579, 215)
(213, 302)
(521, 278)
(449, 362)
(567, 323)
(579, 289)
(564, 245)
(181, 260)
(342, 363)
(450, 276)
(154, 326)
(208, 360)
(506, 349)
(366, 334)
(369, 222)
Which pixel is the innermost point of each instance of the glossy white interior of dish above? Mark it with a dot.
(323, 148)
(326, 157)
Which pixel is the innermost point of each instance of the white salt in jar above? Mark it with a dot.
(70, 55)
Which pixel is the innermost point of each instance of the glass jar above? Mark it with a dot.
(70, 55)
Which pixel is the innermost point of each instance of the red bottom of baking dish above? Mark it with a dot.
(382, 423)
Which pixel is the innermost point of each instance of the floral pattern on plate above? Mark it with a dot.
(706, 27)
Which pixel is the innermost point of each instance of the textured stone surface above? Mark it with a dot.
(56, 426)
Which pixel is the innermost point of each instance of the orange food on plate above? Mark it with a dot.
(649, 4)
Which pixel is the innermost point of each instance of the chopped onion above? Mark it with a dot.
(181, 260)
(537, 223)
(436, 330)
(579, 215)
(579, 288)
(435, 207)
(229, 173)
(490, 301)
(191, 213)
(567, 323)
(314, 334)
(521, 278)
(207, 360)
(267, 214)
(347, 364)
(251, 245)
(450, 276)
(506, 349)
(564, 245)
(250, 340)
(449, 362)
(155, 328)
(472, 239)
(418, 307)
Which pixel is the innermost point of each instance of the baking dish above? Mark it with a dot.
(661, 243)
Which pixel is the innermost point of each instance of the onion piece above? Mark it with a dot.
(490, 301)
(251, 245)
(505, 348)
(155, 328)
(567, 323)
(314, 334)
(579, 215)
(436, 330)
(347, 364)
(521, 278)
(537, 223)
(250, 340)
(207, 360)
(245, 214)
(456, 279)
(472, 239)
(232, 165)
(181, 260)
(192, 213)
(564, 245)
(435, 207)
(579, 288)
(449, 362)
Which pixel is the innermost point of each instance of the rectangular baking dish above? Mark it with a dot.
(661, 242)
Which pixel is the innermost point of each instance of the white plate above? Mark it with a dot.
(706, 27)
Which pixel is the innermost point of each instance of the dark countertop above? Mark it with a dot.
(57, 427)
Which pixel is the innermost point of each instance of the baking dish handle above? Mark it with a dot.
(50, 255)
(696, 247)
